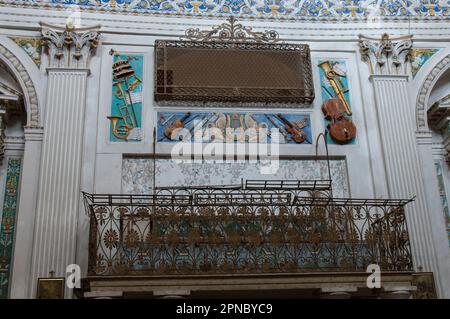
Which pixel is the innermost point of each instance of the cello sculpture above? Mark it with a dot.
(342, 130)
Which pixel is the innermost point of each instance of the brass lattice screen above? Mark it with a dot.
(233, 72)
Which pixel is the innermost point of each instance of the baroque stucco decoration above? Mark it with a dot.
(386, 56)
(425, 90)
(70, 47)
(323, 10)
(30, 96)
(231, 31)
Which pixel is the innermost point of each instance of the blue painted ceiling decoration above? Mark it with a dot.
(279, 9)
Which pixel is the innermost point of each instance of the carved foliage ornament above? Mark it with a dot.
(231, 31)
(386, 56)
(70, 47)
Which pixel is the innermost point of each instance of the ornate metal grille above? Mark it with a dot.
(232, 63)
(256, 227)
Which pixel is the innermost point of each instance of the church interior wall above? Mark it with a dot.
(111, 166)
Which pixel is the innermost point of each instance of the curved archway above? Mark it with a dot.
(24, 79)
(424, 93)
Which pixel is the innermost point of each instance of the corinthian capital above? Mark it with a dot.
(386, 56)
(70, 47)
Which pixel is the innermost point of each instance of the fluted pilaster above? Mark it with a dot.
(403, 167)
(388, 62)
(58, 203)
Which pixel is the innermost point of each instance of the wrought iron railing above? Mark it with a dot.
(256, 227)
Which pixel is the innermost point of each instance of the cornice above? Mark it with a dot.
(174, 26)
(213, 15)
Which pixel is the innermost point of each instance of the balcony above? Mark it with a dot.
(267, 229)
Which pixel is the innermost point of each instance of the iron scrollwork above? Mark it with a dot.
(231, 31)
(284, 226)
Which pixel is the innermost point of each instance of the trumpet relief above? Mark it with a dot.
(126, 109)
(336, 102)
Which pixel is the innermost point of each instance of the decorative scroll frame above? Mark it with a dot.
(231, 31)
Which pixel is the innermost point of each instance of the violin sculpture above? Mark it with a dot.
(297, 135)
(342, 129)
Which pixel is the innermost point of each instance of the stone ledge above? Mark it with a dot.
(315, 284)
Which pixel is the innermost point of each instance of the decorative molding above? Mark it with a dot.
(425, 91)
(30, 95)
(231, 31)
(309, 10)
(14, 143)
(386, 56)
(424, 137)
(69, 47)
(34, 133)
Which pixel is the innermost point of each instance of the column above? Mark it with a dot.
(388, 63)
(59, 200)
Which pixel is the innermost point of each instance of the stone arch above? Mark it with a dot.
(24, 79)
(425, 90)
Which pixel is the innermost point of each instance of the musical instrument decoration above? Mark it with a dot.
(175, 127)
(336, 106)
(234, 127)
(341, 129)
(297, 134)
(127, 103)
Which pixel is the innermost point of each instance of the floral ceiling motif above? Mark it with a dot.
(280, 9)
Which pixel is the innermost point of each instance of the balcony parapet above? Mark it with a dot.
(244, 229)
